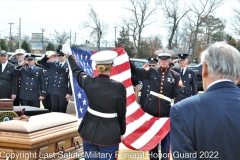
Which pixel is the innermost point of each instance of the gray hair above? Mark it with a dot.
(222, 60)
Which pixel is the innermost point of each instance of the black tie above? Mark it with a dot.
(30, 69)
(60, 65)
(181, 72)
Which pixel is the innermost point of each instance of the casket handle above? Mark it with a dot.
(43, 151)
(76, 142)
(60, 146)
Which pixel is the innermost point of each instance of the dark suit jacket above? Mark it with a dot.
(189, 80)
(208, 123)
(106, 96)
(8, 82)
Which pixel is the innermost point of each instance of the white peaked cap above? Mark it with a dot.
(50, 53)
(20, 51)
(164, 52)
(104, 57)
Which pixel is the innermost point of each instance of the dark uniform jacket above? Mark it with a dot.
(164, 81)
(106, 96)
(58, 78)
(18, 76)
(189, 80)
(33, 84)
(8, 82)
(144, 92)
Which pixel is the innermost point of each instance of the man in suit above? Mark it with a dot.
(60, 88)
(17, 58)
(188, 76)
(206, 126)
(8, 82)
(33, 83)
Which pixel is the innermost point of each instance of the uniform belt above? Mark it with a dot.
(162, 97)
(99, 114)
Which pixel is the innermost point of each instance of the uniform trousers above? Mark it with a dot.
(17, 101)
(165, 149)
(31, 103)
(97, 152)
(47, 103)
(59, 103)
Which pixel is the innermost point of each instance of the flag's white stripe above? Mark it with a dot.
(137, 123)
(117, 61)
(151, 132)
(130, 91)
(122, 76)
(121, 59)
(132, 108)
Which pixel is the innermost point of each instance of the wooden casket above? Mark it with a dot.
(6, 104)
(46, 136)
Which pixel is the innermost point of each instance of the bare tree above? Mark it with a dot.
(155, 43)
(202, 9)
(173, 16)
(236, 20)
(26, 38)
(141, 11)
(211, 24)
(61, 38)
(99, 28)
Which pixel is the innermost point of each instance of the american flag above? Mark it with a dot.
(143, 131)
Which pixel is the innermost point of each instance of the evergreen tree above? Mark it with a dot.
(12, 47)
(50, 47)
(123, 41)
(59, 47)
(3, 45)
(26, 46)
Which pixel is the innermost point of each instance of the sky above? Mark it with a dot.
(68, 15)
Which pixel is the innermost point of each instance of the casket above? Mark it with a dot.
(6, 104)
(46, 136)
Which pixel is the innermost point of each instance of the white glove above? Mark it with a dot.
(66, 49)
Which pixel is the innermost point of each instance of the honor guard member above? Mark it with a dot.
(47, 101)
(152, 62)
(165, 89)
(33, 83)
(104, 122)
(188, 76)
(19, 55)
(59, 84)
(8, 82)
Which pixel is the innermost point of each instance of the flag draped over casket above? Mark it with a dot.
(143, 131)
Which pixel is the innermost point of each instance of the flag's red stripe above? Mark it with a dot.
(132, 137)
(127, 83)
(120, 68)
(120, 51)
(131, 99)
(157, 138)
(135, 116)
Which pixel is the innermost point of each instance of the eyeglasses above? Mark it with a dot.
(60, 55)
(152, 65)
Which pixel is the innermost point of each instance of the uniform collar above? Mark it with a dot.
(164, 69)
(104, 76)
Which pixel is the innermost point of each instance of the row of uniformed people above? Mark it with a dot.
(31, 83)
